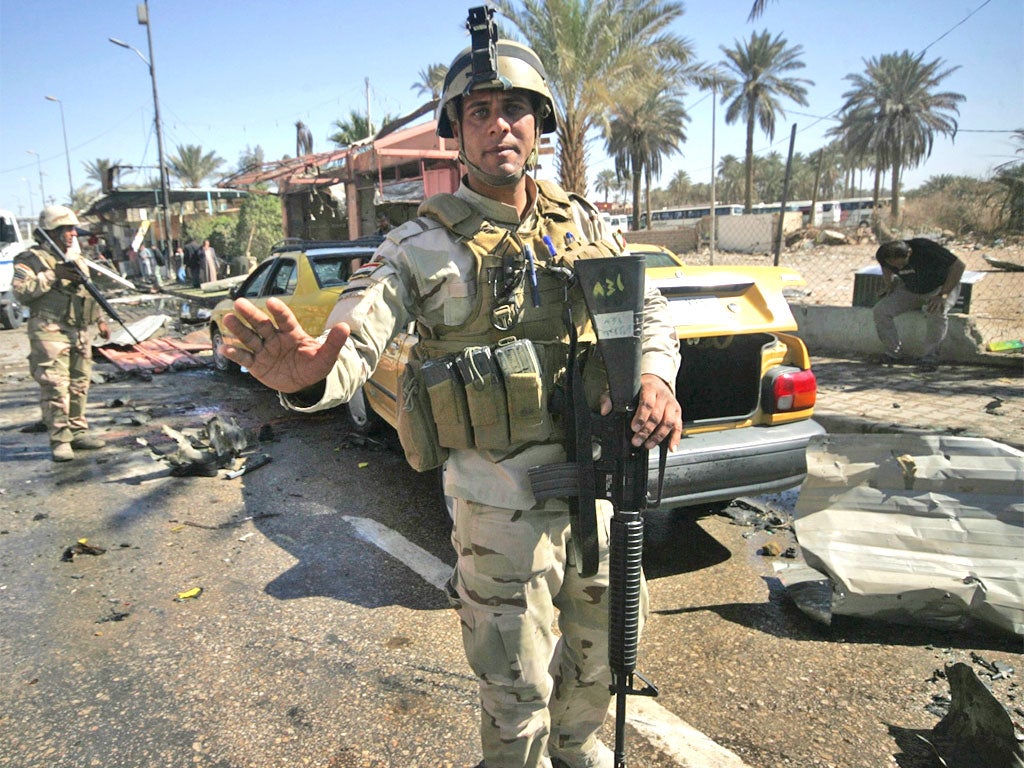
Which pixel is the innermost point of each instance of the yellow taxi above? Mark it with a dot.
(306, 275)
(745, 384)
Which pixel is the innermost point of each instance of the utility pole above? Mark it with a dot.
(142, 12)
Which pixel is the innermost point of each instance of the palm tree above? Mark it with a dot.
(679, 188)
(606, 182)
(586, 44)
(760, 66)
(84, 196)
(770, 173)
(830, 160)
(99, 169)
(191, 166)
(730, 178)
(356, 128)
(892, 113)
(431, 81)
(646, 124)
(757, 9)
(1010, 178)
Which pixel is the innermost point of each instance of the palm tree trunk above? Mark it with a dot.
(636, 198)
(748, 194)
(647, 184)
(897, 212)
(572, 161)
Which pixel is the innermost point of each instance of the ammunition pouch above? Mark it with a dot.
(417, 430)
(483, 398)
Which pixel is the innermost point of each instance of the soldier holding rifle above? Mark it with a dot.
(63, 313)
(487, 275)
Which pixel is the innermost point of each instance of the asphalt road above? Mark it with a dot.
(321, 638)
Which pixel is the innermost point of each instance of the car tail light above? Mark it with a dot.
(789, 389)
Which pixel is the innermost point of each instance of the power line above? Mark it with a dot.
(965, 18)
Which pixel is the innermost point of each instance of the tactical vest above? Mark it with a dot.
(65, 303)
(486, 384)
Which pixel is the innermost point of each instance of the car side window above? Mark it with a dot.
(285, 279)
(253, 286)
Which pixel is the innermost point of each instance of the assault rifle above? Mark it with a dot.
(83, 277)
(614, 292)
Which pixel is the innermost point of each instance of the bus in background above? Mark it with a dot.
(687, 216)
(853, 210)
(847, 212)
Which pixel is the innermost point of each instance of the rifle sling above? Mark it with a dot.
(579, 448)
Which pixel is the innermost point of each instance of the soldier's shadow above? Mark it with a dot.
(330, 566)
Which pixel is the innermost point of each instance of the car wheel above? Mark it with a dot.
(221, 363)
(12, 313)
(361, 417)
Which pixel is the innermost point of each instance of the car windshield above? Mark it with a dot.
(659, 260)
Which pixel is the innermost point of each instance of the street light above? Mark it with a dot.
(67, 154)
(39, 163)
(142, 11)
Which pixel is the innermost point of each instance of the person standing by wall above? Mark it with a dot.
(543, 696)
(60, 332)
(209, 262)
(917, 274)
(193, 263)
(149, 268)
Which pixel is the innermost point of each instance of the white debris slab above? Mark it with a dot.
(917, 528)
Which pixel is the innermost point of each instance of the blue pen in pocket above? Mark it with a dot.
(532, 265)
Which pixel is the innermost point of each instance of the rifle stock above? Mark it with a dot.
(86, 281)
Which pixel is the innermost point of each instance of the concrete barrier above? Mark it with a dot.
(851, 331)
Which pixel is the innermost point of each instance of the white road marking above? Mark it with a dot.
(429, 568)
(688, 747)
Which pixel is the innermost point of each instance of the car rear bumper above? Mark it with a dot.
(720, 466)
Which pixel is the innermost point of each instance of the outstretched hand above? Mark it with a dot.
(275, 349)
(658, 414)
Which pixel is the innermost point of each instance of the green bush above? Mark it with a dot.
(219, 230)
(258, 228)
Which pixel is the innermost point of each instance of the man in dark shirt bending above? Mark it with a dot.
(917, 274)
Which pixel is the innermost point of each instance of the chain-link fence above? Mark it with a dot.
(839, 267)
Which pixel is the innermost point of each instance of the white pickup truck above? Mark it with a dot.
(12, 242)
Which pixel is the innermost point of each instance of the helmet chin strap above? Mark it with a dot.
(504, 179)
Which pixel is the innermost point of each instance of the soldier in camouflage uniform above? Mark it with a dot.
(543, 696)
(62, 315)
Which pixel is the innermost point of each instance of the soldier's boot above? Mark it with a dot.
(62, 452)
(600, 757)
(83, 441)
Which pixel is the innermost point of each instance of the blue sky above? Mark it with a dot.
(233, 74)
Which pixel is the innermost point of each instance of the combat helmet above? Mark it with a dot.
(517, 67)
(56, 216)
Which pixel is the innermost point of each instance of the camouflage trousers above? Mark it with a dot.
(537, 685)
(60, 358)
